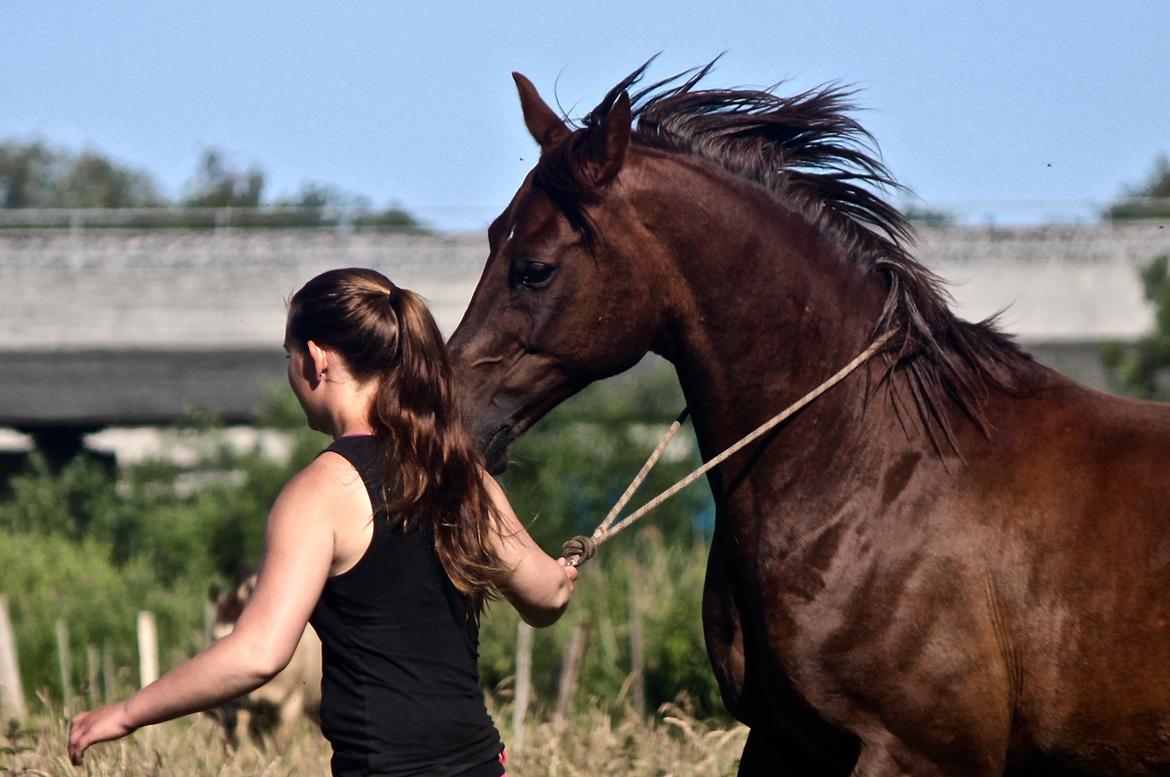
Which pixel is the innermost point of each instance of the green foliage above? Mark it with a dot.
(328, 206)
(95, 546)
(51, 577)
(570, 469)
(216, 185)
(930, 217)
(565, 475)
(1149, 200)
(666, 580)
(1143, 370)
(392, 217)
(36, 175)
(62, 504)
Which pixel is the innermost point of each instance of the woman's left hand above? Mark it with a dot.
(100, 725)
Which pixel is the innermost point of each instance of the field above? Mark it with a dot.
(670, 743)
(85, 549)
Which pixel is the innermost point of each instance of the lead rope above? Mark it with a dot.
(580, 549)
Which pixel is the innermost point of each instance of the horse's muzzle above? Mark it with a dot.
(496, 449)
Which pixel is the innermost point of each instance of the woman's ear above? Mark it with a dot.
(319, 358)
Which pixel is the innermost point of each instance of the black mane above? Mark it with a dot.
(815, 159)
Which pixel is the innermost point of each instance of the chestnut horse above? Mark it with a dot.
(954, 562)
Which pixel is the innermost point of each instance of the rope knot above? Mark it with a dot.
(579, 550)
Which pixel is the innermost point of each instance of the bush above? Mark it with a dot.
(668, 581)
(1143, 369)
(47, 578)
(567, 473)
(95, 546)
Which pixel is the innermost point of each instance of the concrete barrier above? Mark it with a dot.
(106, 327)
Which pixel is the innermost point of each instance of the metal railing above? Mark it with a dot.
(274, 217)
(1035, 212)
(959, 212)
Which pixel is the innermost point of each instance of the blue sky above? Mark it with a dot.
(985, 104)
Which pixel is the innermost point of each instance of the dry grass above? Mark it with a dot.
(668, 744)
(183, 748)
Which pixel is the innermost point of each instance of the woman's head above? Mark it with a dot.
(391, 348)
(385, 336)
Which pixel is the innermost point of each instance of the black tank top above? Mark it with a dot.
(400, 691)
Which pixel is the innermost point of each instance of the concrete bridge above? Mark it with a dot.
(122, 328)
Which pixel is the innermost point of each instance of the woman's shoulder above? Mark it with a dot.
(326, 480)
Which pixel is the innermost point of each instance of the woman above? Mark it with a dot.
(388, 543)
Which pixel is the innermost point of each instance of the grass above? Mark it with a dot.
(670, 743)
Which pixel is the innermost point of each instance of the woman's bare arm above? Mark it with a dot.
(297, 559)
(539, 586)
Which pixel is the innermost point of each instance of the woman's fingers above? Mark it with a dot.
(100, 725)
(571, 572)
(78, 728)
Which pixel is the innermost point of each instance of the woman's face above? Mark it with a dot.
(300, 375)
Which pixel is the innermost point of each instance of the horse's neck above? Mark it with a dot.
(767, 309)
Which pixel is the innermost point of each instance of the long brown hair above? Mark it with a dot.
(434, 477)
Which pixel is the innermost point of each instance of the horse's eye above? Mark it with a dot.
(534, 274)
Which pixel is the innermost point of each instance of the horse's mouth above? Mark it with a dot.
(498, 448)
(498, 444)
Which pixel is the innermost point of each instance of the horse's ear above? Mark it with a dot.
(546, 127)
(607, 146)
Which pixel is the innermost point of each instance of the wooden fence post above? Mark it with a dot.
(11, 694)
(147, 649)
(109, 676)
(65, 664)
(637, 647)
(93, 689)
(570, 668)
(523, 685)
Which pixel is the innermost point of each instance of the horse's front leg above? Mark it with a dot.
(878, 761)
(893, 759)
(723, 633)
(770, 752)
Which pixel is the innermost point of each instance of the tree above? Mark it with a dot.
(1144, 370)
(1148, 200)
(317, 199)
(94, 181)
(928, 217)
(25, 174)
(216, 185)
(36, 175)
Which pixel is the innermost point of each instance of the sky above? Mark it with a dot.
(1000, 110)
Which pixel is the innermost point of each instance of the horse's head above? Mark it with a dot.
(560, 303)
(229, 605)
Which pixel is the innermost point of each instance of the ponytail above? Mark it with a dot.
(433, 473)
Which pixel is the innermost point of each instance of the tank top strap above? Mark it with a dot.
(362, 452)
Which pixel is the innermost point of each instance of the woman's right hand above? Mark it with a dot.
(100, 725)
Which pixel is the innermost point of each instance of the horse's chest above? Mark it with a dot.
(798, 603)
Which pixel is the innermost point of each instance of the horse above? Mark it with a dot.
(271, 712)
(955, 561)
